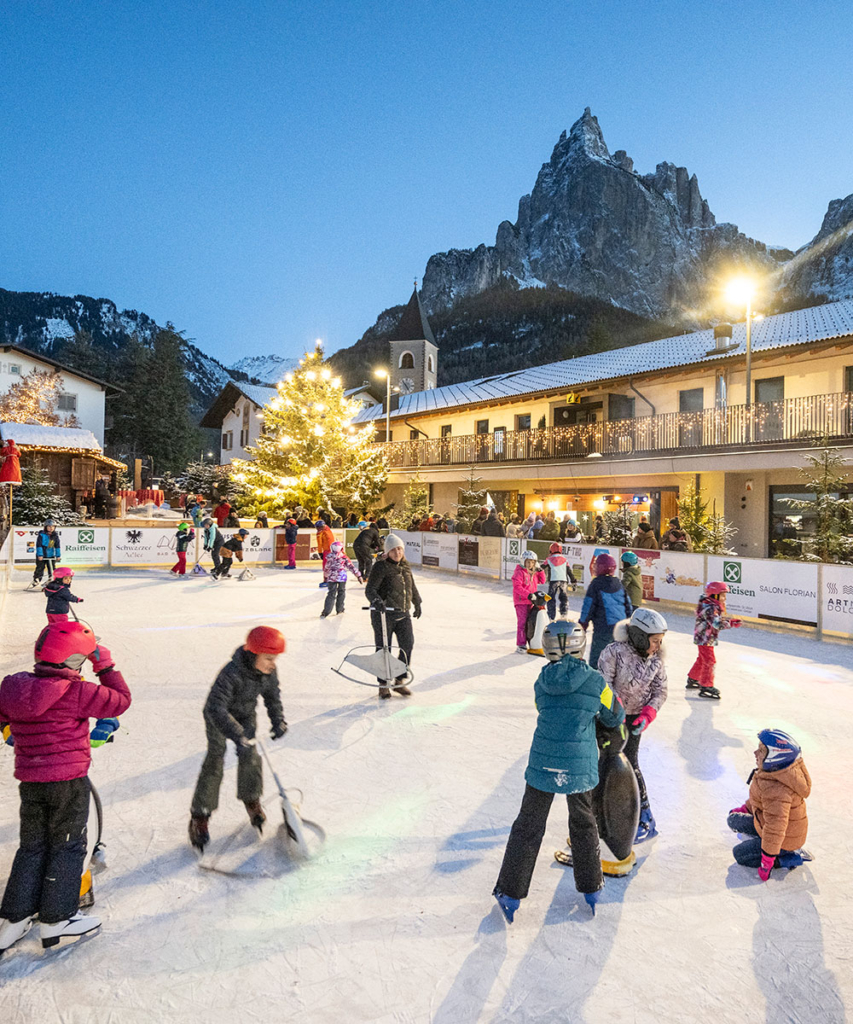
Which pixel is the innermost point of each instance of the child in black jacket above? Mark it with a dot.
(59, 596)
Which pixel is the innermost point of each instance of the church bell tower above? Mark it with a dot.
(414, 353)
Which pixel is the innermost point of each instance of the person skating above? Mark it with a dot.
(367, 544)
(526, 580)
(48, 551)
(632, 578)
(604, 604)
(230, 713)
(391, 591)
(335, 572)
(231, 549)
(710, 619)
(291, 534)
(634, 669)
(570, 697)
(59, 596)
(774, 816)
(183, 538)
(560, 578)
(48, 712)
(212, 541)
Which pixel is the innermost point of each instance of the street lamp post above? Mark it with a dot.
(387, 376)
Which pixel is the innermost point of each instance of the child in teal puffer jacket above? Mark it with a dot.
(570, 696)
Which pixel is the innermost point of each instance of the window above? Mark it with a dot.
(228, 440)
(848, 378)
(430, 363)
(244, 438)
(15, 368)
(482, 427)
(414, 435)
(771, 389)
(446, 430)
(247, 410)
(692, 400)
(407, 361)
(522, 422)
(67, 403)
(621, 407)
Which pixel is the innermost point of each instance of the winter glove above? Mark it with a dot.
(278, 730)
(743, 809)
(417, 612)
(767, 865)
(101, 659)
(379, 605)
(736, 623)
(103, 732)
(645, 718)
(243, 745)
(7, 735)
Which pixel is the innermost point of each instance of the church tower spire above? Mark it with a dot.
(414, 352)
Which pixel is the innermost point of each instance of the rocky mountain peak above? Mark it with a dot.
(585, 135)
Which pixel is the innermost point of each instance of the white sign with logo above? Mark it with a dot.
(80, 545)
(258, 547)
(145, 545)
(412, 540)
(440, 550)
(768, 588)
(837, 598)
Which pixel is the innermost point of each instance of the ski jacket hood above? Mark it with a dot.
(48, 711)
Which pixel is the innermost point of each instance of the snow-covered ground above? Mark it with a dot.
(394, 920)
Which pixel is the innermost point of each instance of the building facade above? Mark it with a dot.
(237, 415)
(635, 426)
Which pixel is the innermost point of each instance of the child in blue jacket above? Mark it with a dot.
(570, 696)
(48, 551)
(605, 604)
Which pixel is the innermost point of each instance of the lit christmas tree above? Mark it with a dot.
(310, 453)
(416, 506)
(471, 498)
(35, 500)
(33, 400)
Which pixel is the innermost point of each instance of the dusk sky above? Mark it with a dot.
(266, 173)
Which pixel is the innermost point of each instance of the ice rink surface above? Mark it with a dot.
(394, 922)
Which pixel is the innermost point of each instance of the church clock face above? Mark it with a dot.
(407, 385)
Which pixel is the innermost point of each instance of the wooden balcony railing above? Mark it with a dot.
(789, 420)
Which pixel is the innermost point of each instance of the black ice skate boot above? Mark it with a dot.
(198, 832)
(709, 692)
(256, 814)
(691, 684)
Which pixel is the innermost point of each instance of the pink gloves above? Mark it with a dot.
(743, 809)
(645, 718)
(736, 623)
(767, 865)
(101, 659)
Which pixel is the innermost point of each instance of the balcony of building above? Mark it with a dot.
(790, 422)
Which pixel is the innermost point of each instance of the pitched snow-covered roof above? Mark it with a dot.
(228, 398)
(26, 434)
(256, 393)
(802, 327)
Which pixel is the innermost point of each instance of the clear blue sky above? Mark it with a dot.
(265, 173)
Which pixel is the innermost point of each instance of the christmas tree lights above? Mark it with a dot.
(33, 400)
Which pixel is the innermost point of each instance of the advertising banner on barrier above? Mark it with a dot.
(80, 545)
(837, 598)
(768, 588)
(412, 540)
(478, 554)
(673, 575)
(440, 550)
(258, 547)
(144, 545)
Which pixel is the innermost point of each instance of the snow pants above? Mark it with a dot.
(747, 853)
(217, 562)
(601, 637)
(41, 565)
(632, 752)
(291, 556)
(250, 779)
(180, 567)
(227, 560)
(395, 625)
(704, 666)
(521, 611)
(526, 835)
(336, 595)
(558, 593)
(365, 563)
(57, 617)
(46, 871)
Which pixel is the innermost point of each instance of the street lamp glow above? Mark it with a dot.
(740, 290)
(382, 374)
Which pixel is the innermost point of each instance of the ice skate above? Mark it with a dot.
(256, 815)
(11, 931)
(34, 585)
(794, 859)
(709, 692)
(324, 615)
(72, 928)
(692, 684)
(384, 692)
(198, 831)
(592, 899)
(507, 904)
(521, 650)
(647, 828)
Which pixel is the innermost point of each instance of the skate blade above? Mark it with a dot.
(67, 940)
(564, 857)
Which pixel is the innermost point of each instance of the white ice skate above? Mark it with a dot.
(74, 927)
(11, 931)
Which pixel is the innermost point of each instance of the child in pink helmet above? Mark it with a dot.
(710, 619)
(59, 596)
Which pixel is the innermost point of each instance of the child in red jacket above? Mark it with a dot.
(48, 711)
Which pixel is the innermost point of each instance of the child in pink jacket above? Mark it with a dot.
(526, 580)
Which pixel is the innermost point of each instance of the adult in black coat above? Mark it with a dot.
(230, 713)
(365, 545)
(391, 591)
(477, 525)
(493, 527)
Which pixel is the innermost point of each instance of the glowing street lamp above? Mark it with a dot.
(384, 374)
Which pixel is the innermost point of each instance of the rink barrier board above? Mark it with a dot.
(771, 592)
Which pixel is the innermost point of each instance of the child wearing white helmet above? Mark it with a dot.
(634, 669)
(526, 580)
